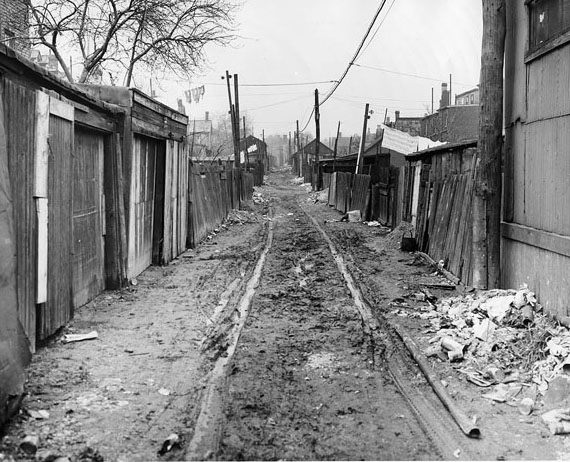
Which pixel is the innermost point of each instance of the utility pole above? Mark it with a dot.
(336, 146)
(318, 182)
(360, 159)
(233, 120)
(236, 94)
(450, 103)
(432, 100)
(265, 147)
(244, 144)
(299, 151)
(289, 149)
(487, 175)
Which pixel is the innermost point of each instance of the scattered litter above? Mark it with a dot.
(164, 391)
(68, 338)
(39, 415)
(558, 421)
(354, 216)
(498, 307)
(494, 373)
(169, 443)
(457, 453)
(30, 444)
(499, 393)
(526, 405)
(134, 282)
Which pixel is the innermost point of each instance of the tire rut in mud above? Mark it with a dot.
(306, 380)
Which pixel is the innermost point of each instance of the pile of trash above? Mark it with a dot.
(240, 217)
(502, 339)
(258, 198)
(500, 327)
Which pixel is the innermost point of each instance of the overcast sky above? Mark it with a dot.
(414, 46)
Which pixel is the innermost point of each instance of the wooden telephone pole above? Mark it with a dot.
(236, 94)
(233, 121)
(336, 146)
(318, 182)
(488, 183)
(299, 157)
(360, 160)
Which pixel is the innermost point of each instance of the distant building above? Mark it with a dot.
(253, 150)
(343, 145)
(410, 125)
(468, 97)
(15, 25)
(451, 123)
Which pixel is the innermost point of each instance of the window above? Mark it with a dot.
(472, 99)
(548, 19)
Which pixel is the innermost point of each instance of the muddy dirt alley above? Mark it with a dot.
(275, 339)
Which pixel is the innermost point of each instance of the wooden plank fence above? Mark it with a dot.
(444, 216)
(214, 191)
(349, 192)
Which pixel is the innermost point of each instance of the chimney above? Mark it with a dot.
(207, 115)
(444, 101)
(397, 115)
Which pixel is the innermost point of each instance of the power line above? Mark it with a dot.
(275, 84)
(378, 28)
(357, 52)
(355, 57)
(409, 75)
(276, 104)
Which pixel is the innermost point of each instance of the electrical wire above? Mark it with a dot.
(378, 28)
(351, 62)
(355, 57)
(275, 84)
(409, 75)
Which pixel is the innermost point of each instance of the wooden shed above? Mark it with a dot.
(155, 172)
(536, 216)
(58, 144)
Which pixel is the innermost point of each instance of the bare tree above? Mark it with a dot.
(121, 34)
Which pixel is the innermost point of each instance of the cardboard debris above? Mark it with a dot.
(558, 421)
(68, 338)
(354, 216)
(498, 307)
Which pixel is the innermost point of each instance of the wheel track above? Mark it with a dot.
(431, 414)
(382, 345)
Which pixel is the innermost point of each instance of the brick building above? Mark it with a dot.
(14, 25)
(451, 123)
(468, 97)
(411, 125)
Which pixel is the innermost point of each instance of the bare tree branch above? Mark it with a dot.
(166, 34)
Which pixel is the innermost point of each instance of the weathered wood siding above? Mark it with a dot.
(536, 228)
(350, 192)
(176, 194)
(213, 192)
(20, 104)
(142, 204)
(58, 310)
(360, 195)
(88, 216)
(437, 200)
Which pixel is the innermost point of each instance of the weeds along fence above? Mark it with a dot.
(437, 200)
(214, 190)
